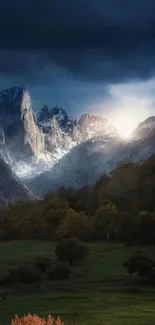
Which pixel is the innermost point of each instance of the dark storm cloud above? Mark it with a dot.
(106, 40)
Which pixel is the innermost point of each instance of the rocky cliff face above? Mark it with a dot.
(86, 128)
(95, 125)
(62, 132)
(23, 138)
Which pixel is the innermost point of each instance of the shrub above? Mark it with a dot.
(139, 264)
(35, 320)
(70, 250)
(59, 271)
(24, 274)
(41, 263)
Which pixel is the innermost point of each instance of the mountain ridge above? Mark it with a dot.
(36, 143)
(52, 149)
(86, 162)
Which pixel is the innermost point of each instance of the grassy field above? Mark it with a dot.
(106, 295)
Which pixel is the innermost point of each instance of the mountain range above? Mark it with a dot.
(45, 151)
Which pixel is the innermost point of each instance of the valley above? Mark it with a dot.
(77, 162)
(59, 179)
(107, 295)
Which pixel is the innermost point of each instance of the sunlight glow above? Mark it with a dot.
(127, 104)
(130, 104)
(125, 125)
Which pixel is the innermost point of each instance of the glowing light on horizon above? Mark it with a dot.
(126, 105)
(125, 124)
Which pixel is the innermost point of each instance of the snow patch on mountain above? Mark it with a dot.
(34, 144)
(35, 167)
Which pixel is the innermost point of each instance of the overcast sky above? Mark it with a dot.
(84, 55)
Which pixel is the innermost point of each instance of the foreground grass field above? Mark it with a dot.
(105, 294)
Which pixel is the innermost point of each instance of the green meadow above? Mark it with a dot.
(99, 291)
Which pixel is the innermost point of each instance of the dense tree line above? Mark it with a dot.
(120, 206)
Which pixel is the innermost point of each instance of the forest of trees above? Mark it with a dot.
(119, 207)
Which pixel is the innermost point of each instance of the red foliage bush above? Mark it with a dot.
(35, 320)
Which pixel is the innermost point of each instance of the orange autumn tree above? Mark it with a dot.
(35, 320)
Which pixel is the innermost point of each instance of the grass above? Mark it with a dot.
(107, 295)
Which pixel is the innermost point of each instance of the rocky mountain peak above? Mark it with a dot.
(149, 122)
(23, 137)
(96, 125)
(91, 118)
(60, 115)
(145, 129)
(13, 95)
(46, 115)
(48, 137)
